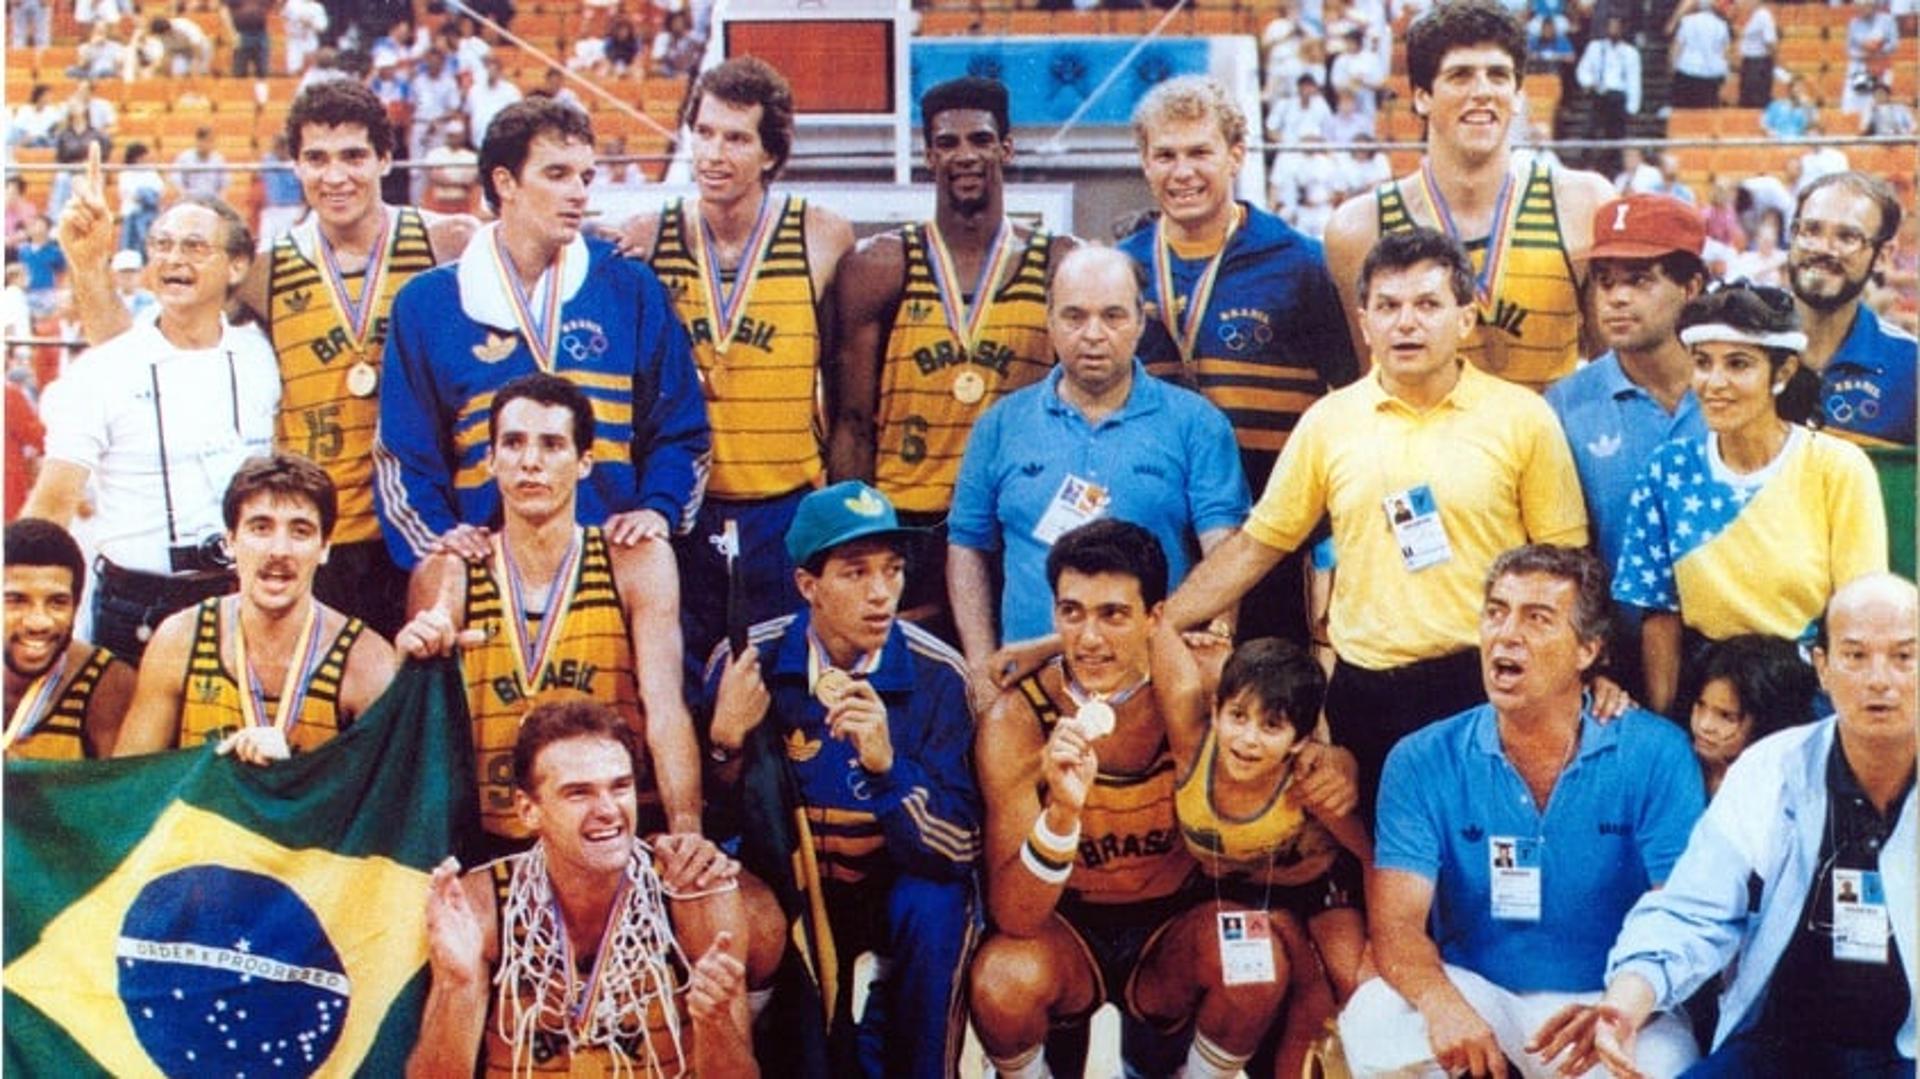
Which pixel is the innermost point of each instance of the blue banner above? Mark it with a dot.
(1050, 78)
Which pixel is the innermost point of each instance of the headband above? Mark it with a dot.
(1791, 340)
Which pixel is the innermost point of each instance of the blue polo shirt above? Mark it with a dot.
(1613, 426)
(1166, 461)
(1867, 387)
(1617, 820)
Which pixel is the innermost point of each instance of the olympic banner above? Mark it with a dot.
(186, 914)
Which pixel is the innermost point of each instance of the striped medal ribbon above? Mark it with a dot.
(357, 316)
(541, 331)
(35, 704)
(302, 662)
(530, 649)
(1184, 327)
(1493, 268)
(726, 305)
(967, 321)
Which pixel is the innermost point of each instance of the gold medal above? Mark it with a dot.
(1096, 719)
(362, 379)
(831, 686)
(969, 387)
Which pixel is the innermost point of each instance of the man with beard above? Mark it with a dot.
(940, 319)
(271, 670)
(1843, 227)
(1856, 377)
(64, 697)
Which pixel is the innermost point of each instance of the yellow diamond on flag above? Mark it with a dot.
(213, 949)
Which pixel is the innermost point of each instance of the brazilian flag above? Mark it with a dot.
(184, 914)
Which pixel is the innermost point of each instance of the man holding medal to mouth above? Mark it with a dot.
(532, 294)
(869, 716)
(271, 670)
(937, 321)
(323, 297)
(1092, 893)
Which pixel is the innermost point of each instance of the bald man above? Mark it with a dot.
(1098, 437)
(1822, 818)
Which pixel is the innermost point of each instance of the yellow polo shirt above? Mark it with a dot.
(1501, 475)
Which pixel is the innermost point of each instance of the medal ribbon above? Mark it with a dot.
(818, 662)
(357, 316)
(532, 651)
(580, 1008)
(1494, 267)
(1081, 695)
(1185, 331)
(301, 665)
(35, 703)
(542, 332)
(966, 322)
(726, 305)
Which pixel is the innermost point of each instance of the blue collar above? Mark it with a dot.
(1595, 737)
(1145, 396)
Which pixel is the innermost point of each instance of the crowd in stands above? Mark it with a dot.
(1444, 600)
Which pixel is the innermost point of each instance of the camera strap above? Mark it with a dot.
(160, 428)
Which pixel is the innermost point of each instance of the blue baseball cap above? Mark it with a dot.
(842, 513)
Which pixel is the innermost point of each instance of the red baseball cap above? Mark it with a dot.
(1646, 227)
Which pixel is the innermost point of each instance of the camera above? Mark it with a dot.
(207, 556)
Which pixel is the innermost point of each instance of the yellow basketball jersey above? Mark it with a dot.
(1279, 845)
(1531, 333)
(592, 655)
(932, 390)
(62, 735)
(321, 416)
(210, 709)
(549, 1055)
(1129, 838)
(763, 390)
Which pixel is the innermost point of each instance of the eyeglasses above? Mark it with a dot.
(192, 248)
(1842, 240)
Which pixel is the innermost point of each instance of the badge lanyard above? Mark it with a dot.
(965, 321)
(725, 305)
(1185, 330)
(530, 649)
(1494, 267)
(542, 329)
(35, 704)
(302, 662)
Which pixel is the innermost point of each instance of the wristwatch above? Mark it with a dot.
(1221, 628)
(720, 754)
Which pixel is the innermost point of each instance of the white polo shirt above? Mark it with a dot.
(108, 413)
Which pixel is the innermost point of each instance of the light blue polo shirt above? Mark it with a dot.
(1617, 820)
(1613, 426)
(1166, 460)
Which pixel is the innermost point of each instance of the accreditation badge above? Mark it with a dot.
(1246, 947)
(1860, 926)
(1513, 871)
